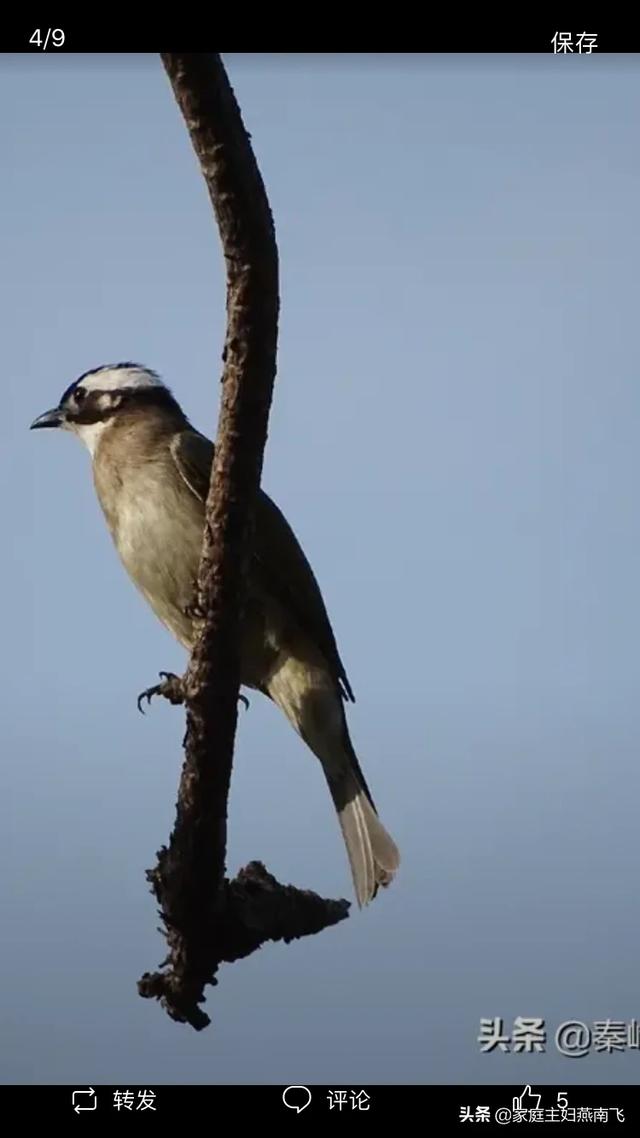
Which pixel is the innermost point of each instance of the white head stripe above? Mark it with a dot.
(119, 378)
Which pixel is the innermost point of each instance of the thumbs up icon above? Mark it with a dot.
(527, 1100)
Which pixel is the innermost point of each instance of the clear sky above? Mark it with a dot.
(454, 439)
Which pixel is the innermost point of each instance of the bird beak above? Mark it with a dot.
(52, 418)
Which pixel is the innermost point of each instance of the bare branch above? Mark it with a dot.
(208, 919)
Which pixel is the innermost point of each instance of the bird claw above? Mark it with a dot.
(194, 611)
(170, 688)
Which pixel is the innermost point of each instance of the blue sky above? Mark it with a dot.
(454, 439)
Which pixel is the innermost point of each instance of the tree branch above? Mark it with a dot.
(208, 919)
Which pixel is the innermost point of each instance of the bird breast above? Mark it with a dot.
(156, 524)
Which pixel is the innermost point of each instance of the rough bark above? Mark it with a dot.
(207, 919)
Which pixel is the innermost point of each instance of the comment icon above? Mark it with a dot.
(296, 1098)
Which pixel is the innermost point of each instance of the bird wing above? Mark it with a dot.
(282, 563)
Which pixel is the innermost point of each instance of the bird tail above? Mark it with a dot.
(310, 700)
(373, 855)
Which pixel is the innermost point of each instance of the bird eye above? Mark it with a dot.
(80, 394)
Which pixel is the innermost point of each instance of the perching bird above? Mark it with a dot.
(151, 471)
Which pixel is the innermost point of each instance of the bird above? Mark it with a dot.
(151, 471)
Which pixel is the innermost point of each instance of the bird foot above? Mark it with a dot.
(194, 611)
(171, 688)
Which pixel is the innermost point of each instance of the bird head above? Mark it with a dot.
(93, 401)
